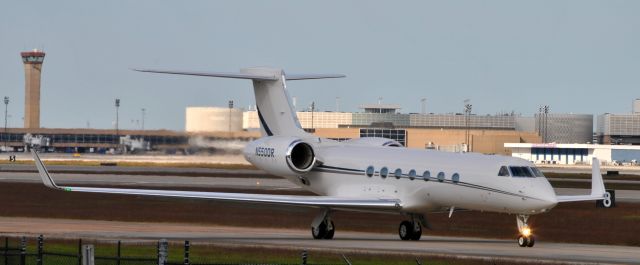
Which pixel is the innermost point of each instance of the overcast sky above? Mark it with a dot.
(576, 56)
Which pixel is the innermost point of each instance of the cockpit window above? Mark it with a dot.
(522, 172)
(537, 172)
(504, 172)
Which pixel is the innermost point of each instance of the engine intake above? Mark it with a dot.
(300, 156)
(281, 155)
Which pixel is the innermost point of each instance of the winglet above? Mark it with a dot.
(44, 174)
(597, 184)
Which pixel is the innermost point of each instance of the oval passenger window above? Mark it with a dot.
(370, 171)
(455, 178)
(441, 176)
(412, 174)
(398, 173)
(426, 175)
(384, 172)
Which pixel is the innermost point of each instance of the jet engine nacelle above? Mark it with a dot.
(281, 155)
(374, 141)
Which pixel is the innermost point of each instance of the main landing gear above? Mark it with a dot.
(322, 226)
(411, 230)
(526, 238)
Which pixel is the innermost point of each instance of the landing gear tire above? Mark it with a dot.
(532, 241)
(330, 232)
(409, 231)
(323, 231)
(405, 231)
(523, 241)
(526, 241)
(319, 232)
(417, 233)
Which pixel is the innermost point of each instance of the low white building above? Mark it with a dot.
(571, 154)
(213, 119)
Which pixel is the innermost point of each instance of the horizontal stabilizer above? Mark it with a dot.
(245, 75)
(214, 74)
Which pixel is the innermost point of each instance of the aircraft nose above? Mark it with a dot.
(548, 197)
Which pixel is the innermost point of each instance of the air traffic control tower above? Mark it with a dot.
(32, 69)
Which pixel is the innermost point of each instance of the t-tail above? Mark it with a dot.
(275, 111)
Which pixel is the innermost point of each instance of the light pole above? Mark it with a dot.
(467, 114)
(313, 108)
(143, 115)
(337, 104)
(230, 108)
(6, 136)
(117, 120)
(546, 114)
(424, 105)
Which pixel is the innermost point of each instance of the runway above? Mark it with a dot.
(344, 241)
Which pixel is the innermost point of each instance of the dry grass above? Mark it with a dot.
(573, 222)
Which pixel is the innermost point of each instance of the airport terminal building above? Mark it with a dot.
(575, 154)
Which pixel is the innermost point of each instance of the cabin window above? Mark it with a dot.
(412, 174)
(398, 173)
(384, 172)
(370, 171)
(521, 172)
(504, 172)
(441, 176)
(455, 178)
(426, 175)
(537, 172)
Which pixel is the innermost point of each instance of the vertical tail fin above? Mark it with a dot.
(275, 111)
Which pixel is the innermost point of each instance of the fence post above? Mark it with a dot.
(187, 245)
(79, 251)
(6, 250)
(40, 250)
(163, 252)
(23, 251)
(88, 255)
(119, 252)
(304, 257)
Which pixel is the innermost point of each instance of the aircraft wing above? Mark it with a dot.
(597, 187)
(296, 200)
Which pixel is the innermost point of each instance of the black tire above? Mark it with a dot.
(405, 231)
(416, 234)
(523, 241)
(330, 233)
(320, 232)
(532, 241)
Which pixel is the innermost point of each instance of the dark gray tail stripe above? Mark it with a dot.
(264, 123)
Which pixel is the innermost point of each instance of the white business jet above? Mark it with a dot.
(371, 174)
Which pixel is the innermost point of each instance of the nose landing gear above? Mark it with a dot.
(526, 237)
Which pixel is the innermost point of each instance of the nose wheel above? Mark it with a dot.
(526, 237)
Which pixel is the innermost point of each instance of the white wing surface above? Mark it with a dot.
(597, 187)
(295, 200)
